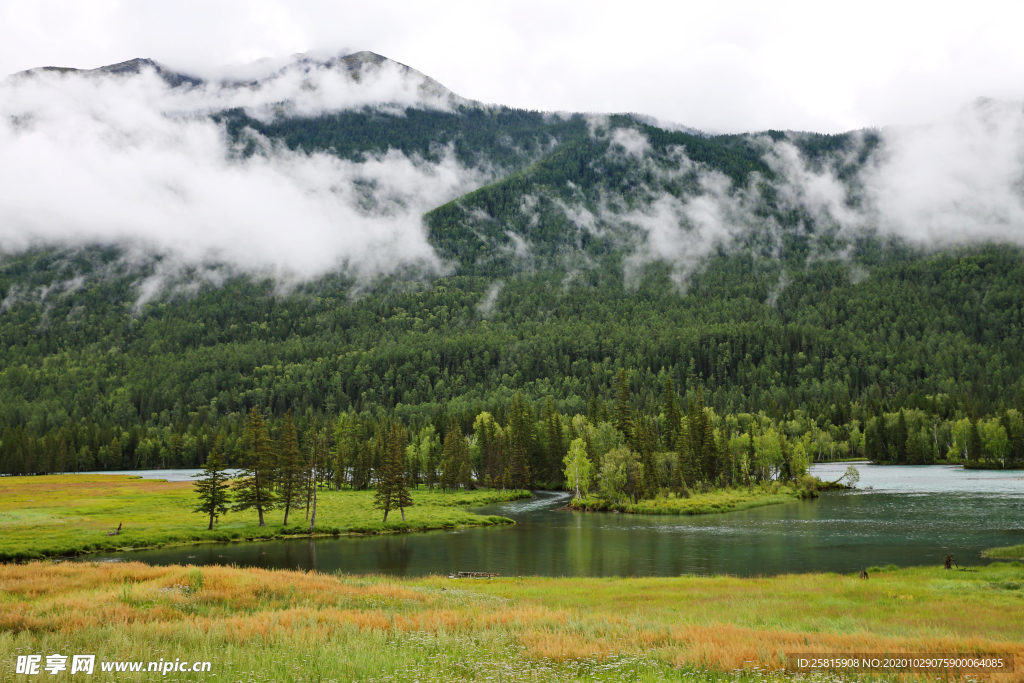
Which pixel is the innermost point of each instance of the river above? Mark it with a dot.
(898, 515)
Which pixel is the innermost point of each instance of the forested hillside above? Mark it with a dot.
(548, 289)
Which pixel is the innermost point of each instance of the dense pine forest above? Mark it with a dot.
(793, 343)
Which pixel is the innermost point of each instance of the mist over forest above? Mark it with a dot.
(345, 235)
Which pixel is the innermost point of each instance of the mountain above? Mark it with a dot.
(759, 272)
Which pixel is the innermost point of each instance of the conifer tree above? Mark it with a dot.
(519, 469)
(316, 450)
(726, 465)
(974, 442)
(255, 490)
(213, 488)
(401, 496)
(391, 488)
(431, 475)
(752, 454)
(554, 440)
(684, 455)
(290, 466)
(672, 415)
(456, 469)
(623, 411)
(901, 438)
(645, 443)
(519, 438)
(786, 471)
(115, 453)
(346, 441)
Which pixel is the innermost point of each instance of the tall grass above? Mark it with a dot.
(73, 514)
(261, 625)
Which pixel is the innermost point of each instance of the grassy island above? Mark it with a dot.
(60, 515)
(1013, 552)
(714, 501)
(284, 626)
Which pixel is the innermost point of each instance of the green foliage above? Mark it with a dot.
(290, 466)
(254, 490)
(92, 379)
(578, 468)
(213, 489)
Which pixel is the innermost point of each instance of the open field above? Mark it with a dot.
(1013, 552)
(259, 625)
(727, 500)
(72, 514)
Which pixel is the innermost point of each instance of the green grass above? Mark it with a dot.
(72, 514)
(719, 500)
(1013, 552)
(290, 626)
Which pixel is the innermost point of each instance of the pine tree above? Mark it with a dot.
(255, 490)
(176, 447)
(623, 411)
(901, 438)
(401, 496)
(645, 443)
(384, 496)
(974, 442)
(695, 424)
(456, 469)
(391, 489)
(554, 441)
(726, 465)
(115, 453)
(290, 466)
(752, 454)
(672, 415)
(431, 464)
(519, 438)
(213, 488)
(346, 442)
(684, 455)
(786, 473)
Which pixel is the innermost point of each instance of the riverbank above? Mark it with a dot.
(65, 515)
(712, 502)
(284, 626)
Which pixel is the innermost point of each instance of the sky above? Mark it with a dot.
(715, 66)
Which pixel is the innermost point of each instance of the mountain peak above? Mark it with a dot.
(129, 68)
(356, 66)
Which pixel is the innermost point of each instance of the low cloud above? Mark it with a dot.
(956, 182)
(132, 161)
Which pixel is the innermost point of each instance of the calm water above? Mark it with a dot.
(899, 515)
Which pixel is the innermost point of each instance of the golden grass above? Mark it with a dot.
(72, 514)
(257, 624)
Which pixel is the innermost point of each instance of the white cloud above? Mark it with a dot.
(129, 160)
(960, 180)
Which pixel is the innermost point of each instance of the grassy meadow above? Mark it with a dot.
(71, 514)
(716, 501)
(261, 625)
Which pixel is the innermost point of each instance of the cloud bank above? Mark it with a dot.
(956, 182)
(127, 159)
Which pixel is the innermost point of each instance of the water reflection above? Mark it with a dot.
(911, 516)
